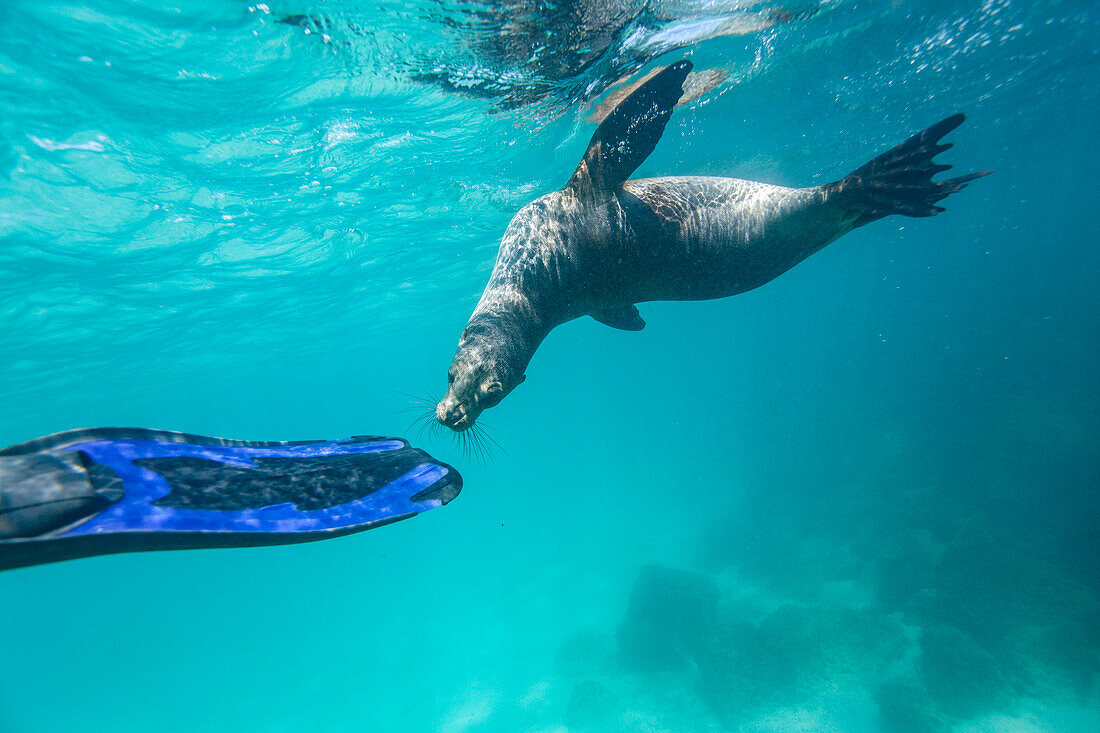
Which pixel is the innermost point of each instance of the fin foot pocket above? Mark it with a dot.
(40, 493)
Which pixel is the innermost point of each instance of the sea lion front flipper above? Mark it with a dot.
(630, 133)
(626, 318)
(695, 85)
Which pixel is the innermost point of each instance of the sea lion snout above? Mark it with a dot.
(452, 413)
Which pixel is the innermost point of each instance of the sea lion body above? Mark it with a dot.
(671, 238)
(604, 243)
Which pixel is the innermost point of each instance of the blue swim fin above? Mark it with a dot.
(101, 491)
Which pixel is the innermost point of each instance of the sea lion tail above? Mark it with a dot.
(900, 180)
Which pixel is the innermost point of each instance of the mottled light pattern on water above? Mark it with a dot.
(860, 498)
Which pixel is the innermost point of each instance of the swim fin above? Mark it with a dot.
(101, 491)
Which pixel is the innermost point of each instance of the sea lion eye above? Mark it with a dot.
(491, 394)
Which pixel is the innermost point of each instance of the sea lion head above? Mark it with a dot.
(482, 373)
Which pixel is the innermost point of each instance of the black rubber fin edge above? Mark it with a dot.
(443, 490)
(630, 133)
(20, 553)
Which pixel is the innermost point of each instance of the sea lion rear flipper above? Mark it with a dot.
(900, 180)
(630, 133)
(626, 318)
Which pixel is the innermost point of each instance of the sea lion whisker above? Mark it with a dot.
(460, 440)
(465, 440)
(426, 419)
(475, 443)
(483, 452)
(482, 441)
(417, 399)
(485, 436)
(493, 440)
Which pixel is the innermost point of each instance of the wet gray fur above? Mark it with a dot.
(601, 245)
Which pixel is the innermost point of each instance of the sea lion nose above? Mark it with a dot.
(449, 412)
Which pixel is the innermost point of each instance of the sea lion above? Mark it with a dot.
(604, 243)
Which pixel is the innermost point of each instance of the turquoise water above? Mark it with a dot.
(860, 498)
